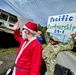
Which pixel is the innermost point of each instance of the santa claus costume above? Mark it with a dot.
(29, 56)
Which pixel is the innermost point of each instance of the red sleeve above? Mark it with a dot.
(36, 61)
(18, 36)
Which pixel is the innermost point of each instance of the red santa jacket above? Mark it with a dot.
(30, 59)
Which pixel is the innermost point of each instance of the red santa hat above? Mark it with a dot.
(32, 27)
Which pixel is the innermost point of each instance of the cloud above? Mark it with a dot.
(40, 10)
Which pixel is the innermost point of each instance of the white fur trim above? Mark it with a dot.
(14, 71)
(33, 32)
(22, 48)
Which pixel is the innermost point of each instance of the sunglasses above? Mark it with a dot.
(23, 29)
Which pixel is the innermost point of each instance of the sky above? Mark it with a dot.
(39, 10)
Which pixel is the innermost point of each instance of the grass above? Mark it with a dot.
(8, 51)
(12, 50)
(43, 45)
(72, 53)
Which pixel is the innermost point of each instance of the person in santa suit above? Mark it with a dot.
(29, 56)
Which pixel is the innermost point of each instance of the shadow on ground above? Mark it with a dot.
(7, 40)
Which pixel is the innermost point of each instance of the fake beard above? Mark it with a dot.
(24, 35)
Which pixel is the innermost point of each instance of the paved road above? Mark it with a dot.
(8, 62)
(63, 59)
(67, 60)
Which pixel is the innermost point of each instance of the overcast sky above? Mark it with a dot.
(38, 10)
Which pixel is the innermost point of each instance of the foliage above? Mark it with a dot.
(43, 30)
(72, 53)
(44, 45)
(12, 50)
(8, 51)
(75, 42)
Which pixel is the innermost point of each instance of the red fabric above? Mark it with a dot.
(31, 57)
(32, 26)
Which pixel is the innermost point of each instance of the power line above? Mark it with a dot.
(13, 7)
(23, 10)
(29, 6)
(39, 9)
(34, 11)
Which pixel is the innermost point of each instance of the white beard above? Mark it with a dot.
(24, 35)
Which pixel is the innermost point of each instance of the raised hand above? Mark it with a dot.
(73, 35)
(16, 25)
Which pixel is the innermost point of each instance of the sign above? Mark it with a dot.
(62, 24)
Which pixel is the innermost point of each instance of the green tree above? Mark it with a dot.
(43, 30)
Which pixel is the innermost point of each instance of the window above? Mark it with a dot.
(12, 19)
(11, 25)
(3, 16)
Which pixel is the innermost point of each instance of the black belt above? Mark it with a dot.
(21, 67)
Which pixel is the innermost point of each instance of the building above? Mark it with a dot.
(7, 21)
